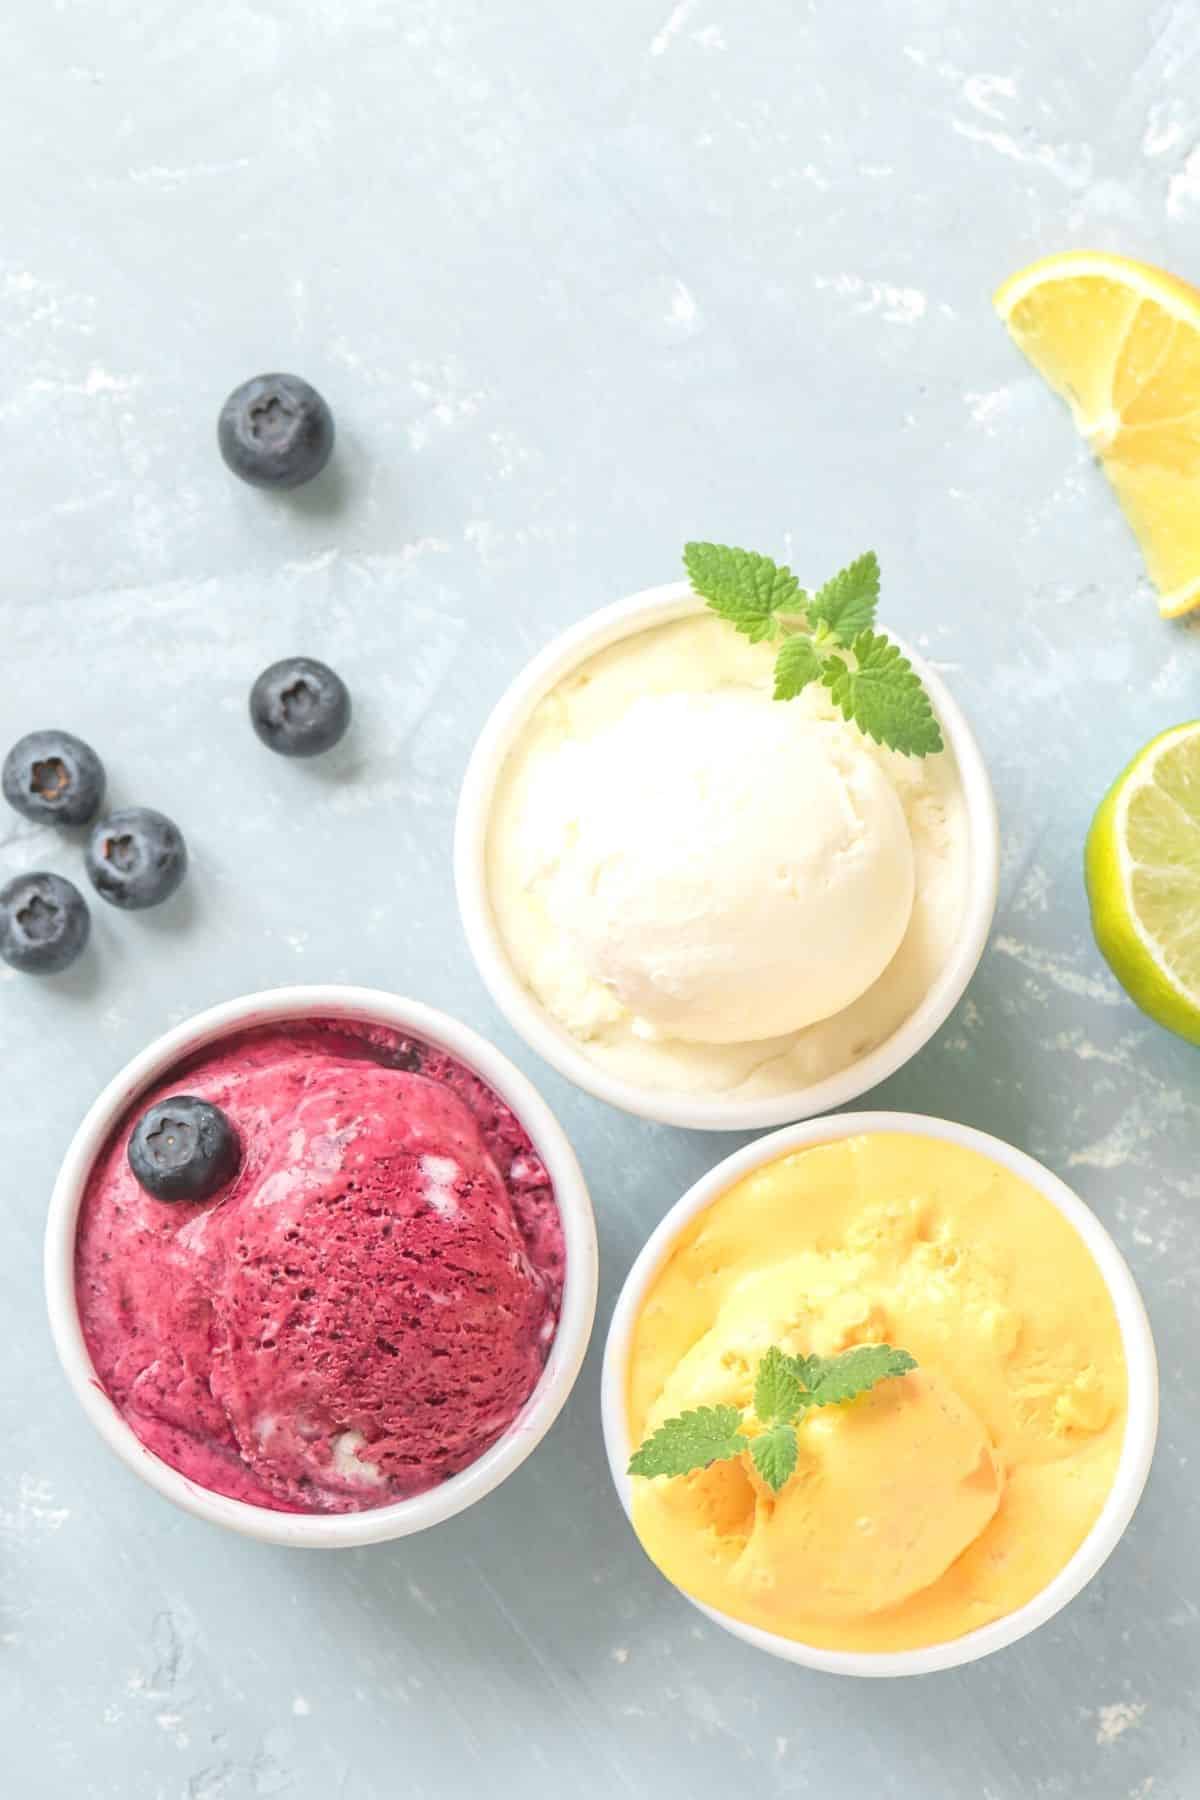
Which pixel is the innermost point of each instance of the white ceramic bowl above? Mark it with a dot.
(1142, 1369)
(328, 1530)
(659, 606)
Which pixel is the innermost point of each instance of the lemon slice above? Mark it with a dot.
(1142, 866)
(1120, 341)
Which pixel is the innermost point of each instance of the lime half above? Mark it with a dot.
(1142, 867)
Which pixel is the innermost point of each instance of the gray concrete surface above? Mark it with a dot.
(580, 282)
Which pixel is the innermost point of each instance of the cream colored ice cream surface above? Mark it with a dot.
(713, 891)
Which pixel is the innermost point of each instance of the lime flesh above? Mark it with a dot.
(1142, 867)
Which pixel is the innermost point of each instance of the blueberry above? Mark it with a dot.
(275, 431)
(136, 858)
(299, 707)
(44, 923)
(183, 1149)
(54, 778)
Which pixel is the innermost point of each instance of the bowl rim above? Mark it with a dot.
(327, 1001)
(1137, 1341)
(625, 618)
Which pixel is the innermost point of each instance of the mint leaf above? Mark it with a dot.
(877, 689)
(778, 1395)
(690, 1441)
(847, 603)
(799, 662)
(806, 1370)
(743, 587)
(784, 1388)
(836, 1379)
(774, 1455)
(883, 696)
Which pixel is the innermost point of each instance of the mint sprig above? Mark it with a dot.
(785, 1390)
(828, 636)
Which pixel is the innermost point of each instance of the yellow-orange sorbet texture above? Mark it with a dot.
(938, 1501)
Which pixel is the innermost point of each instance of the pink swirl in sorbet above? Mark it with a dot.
(367, 1306)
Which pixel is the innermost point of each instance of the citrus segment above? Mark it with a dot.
(1120, 341)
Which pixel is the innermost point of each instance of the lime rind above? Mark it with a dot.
(1142, 866)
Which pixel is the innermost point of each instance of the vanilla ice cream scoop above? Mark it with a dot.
(725, 866)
